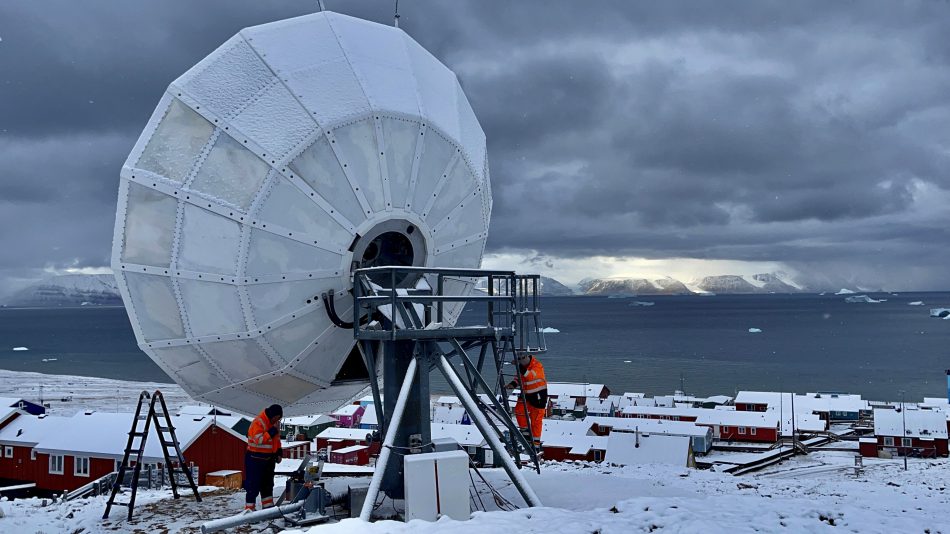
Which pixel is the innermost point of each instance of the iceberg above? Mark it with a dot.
(18, 349)
(549, 330)
(916, 303)
(641, 303)
(934, 312)
(844, 291)
(862, 298)
(755, 330)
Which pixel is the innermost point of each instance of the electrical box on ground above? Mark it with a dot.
(437, 485)
(444, 444)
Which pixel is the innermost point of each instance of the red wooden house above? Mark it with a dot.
(65, 453)
(339, 438)
(353, 455)
(911, 432)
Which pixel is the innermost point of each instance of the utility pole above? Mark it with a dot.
(903, 429)
(794, 436)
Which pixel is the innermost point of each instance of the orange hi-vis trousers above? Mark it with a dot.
(536, 415)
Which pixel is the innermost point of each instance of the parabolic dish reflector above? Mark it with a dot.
(293, 152)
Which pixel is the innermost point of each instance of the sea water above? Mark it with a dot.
(807, 343)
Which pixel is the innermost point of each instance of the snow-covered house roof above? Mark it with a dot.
(760, 397)
(347, 410)
(633, 395)
(576, 443)
(737, 418)
(572, 389)
(104, 435)
(924, 424)
(369, 416)
(625, 448)
(596, 405)
(662, 411)
(831, 402)
(203, 409)
(554, 427)
(464, 435)
(351, 448)
(308, 420)
(358, 434)
(652, 426)
(448, 400)
(448, 414)
(938, 403)
(27, 431)
(565, 403)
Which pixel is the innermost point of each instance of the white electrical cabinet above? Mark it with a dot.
(437, 485)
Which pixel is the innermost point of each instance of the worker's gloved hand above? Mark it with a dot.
(272, 431)
(279, 455)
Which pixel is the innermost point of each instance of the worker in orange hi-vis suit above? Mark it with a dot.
(262, 456)
(535, 392)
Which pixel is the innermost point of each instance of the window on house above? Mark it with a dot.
(32, 454)
(888, 442)
(598, 456)
(55, 464)
(742, 430)
(80, 466)
(905, 442)
(8, 452)
(752, 431)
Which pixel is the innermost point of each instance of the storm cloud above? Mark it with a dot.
(810, 134)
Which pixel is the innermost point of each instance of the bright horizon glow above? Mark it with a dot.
(570, 271)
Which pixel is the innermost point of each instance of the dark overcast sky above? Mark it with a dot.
(811, 134)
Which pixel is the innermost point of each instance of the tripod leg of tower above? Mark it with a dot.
(489, 432)
(386, 451)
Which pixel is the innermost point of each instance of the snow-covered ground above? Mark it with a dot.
(817, 493)
(814, 493)
(85, 393)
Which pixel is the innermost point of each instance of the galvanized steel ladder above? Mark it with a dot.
(166, 435)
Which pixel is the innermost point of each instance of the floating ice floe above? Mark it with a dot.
(863, 298)
(916, 303)
(549, 330)
(755, 330)
(844, 291)
(940, 312)
(18, 349)
(628, 361)
(50, 359)
(641, 303)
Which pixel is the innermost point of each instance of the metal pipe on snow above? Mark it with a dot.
(380, 469)
(253, 517)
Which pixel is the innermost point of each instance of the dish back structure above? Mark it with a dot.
(294, 153)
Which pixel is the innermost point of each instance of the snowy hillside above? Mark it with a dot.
(814, 493)
(552, 288)
(721, 284)
(68, 290)
(633, 286)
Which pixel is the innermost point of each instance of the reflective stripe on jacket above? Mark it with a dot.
(533, 378)
(258, 440)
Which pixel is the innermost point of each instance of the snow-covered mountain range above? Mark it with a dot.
(68, 290)
(725, 284)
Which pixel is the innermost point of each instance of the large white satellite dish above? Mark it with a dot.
(293, 152)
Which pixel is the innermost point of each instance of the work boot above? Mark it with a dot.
(248, 508)
(267, 503)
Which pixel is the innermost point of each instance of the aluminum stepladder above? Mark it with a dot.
(168, 440)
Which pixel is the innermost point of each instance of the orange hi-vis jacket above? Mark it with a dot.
(533, 377)
(258, 440)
